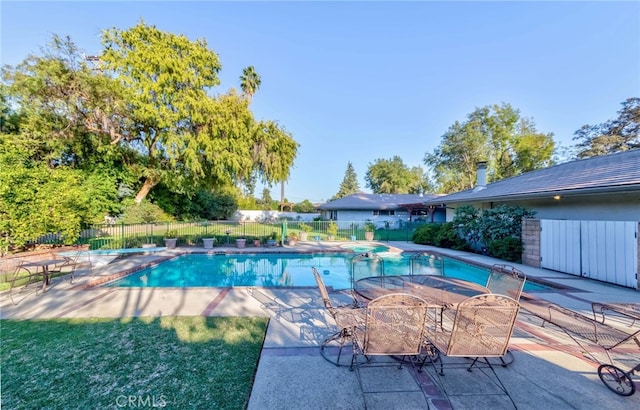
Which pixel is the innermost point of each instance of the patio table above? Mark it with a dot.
(437, 290)
(44, 264)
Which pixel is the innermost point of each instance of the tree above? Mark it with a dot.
(496, 134)
(266, 200)
(143, 115)
(616, 135)
(35, 201)
(150, 105)
(392, 176)
(304, 207)
(69, 114)
(249, 82)
(349, 184)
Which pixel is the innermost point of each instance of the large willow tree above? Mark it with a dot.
(187, 136)
(144, 111)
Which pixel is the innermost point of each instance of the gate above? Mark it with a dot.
(601, 250)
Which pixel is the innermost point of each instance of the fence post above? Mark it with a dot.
(122, 244)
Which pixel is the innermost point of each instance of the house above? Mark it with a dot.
(597, 188)
(384, 210)
(587, 220)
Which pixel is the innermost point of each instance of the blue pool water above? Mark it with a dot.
(367, 248)
(116, 252)
(279, 270)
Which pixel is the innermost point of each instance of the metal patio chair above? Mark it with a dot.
(80, 261)
(394, 326)
(481, 329)
(426, 263)
(506, 280)
(364, 265)
(629, 310)
(582, 329)
(347, 318)
(22, 280)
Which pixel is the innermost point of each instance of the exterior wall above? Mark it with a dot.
(379, 220)
(614, 207)
(258, 216)
(531, 242)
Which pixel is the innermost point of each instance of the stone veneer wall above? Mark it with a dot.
(531, 242)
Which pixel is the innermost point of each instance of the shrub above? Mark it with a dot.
(447, 237)
(509, 249)
(426, 234)
(332, 228)
(146, 212)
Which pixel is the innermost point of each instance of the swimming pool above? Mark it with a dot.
(367, 248)
(280, 270)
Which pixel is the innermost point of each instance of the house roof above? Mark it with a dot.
(618, 172)
(362, 201)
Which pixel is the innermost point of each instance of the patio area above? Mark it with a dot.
(549, 370)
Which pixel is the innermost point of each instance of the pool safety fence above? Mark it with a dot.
(227, 233)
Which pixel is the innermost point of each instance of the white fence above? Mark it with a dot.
(602, 250)
(272, 216)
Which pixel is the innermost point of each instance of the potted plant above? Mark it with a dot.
(369, 228)
(332, 230)
(292, 239)
(170, 238)
(304, 230)
(207, 243)
(271, 242)
(241, 242)
(256, 242)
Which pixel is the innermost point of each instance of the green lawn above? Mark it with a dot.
(170, 362)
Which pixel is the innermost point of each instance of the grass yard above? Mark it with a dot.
(170, 362)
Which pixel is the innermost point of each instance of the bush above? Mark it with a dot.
(499, 229)
(146, 212)
(509, 249)
(448, 237)
(426, 234)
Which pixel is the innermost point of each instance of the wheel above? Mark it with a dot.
(616, 380)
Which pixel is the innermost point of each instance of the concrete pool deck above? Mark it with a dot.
(549, 372)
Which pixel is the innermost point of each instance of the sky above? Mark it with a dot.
(367, 80)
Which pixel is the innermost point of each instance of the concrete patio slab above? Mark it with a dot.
(549, 372)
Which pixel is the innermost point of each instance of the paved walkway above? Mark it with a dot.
(549, 372)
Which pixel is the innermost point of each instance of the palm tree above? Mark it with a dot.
(249, 82)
